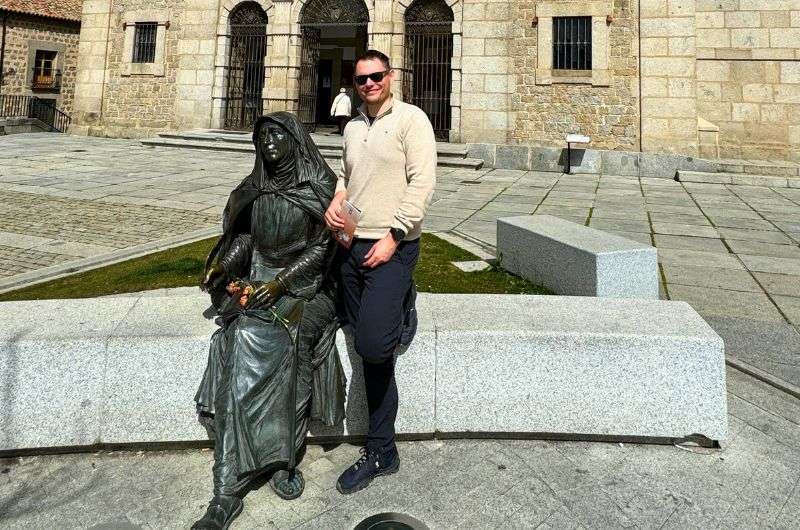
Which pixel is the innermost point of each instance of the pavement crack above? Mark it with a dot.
(788, 498)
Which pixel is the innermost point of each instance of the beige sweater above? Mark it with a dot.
(389, 169)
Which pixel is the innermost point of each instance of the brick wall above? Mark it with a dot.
(21, 35)
(748, 73)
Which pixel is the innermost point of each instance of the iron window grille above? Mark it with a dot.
(144, 42)
(572, 43)
(45, 75)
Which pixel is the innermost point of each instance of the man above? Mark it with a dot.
(341, 109)
(388, 172)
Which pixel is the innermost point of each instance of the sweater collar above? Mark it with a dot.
(362, 109)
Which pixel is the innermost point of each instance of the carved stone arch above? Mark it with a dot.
(429, 11)
(228, 6)
(247, 13)
(402, 6)
(335, 11)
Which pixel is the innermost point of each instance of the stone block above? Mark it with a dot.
(667, 166)
(485, 152)
(415, 374)
(620, 163)
(572, 259)
(513, 157)
(125, 369)
(579, 365)
(586, 161)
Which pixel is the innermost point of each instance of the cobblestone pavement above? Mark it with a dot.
(752, 482)
(64, 198)
(730, 251)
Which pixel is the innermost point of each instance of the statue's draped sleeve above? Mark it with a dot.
(236, 261)
(304, 276)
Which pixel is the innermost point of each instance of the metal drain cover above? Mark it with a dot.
(391, 521)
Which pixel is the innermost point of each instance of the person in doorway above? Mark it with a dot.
(342, 109)
(389, 173)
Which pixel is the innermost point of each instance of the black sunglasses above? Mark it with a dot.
(376, 77)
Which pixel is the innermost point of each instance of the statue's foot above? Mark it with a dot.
(288, 485)
(221, 512)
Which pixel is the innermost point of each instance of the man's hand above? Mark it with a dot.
(333, 215)
(381, 252)
(265, 295)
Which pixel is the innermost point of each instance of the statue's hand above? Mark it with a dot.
(212, 278)
(265, 295)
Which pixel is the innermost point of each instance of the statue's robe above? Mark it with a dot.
(270, 370)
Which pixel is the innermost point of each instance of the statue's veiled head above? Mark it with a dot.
(278, 150)
(276, 143)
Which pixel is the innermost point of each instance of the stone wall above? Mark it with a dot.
(24, 35)
(748, 72)
(608, 111)
(486, 113)
(669, 113)
(140, 103)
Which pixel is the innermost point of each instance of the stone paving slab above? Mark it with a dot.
(750, 483)
(97, 192)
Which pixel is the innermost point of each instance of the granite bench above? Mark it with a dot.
(124, 370)
(572, 259)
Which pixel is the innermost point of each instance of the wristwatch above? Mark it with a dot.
(398, 234)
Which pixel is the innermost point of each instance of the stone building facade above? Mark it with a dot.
(710, 78)
(39, 49)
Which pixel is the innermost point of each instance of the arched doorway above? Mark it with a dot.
(334, 33)
(428, 78)
(245, 76)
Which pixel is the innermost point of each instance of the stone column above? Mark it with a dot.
(195, 76)
(669, 108)
(282, 89)
(91, 77)
(485, 64)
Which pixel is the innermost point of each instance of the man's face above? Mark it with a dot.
(374, 92)
(275, 142)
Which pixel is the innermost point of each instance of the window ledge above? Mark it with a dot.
(595, 77)
(143, 69)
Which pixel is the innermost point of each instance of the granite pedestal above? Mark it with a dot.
(125, 370)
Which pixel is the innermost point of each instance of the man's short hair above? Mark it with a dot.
(374, 54)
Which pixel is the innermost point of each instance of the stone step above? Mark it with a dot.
(331, 153)
(776, 168)
(742, 179)
(322, 141)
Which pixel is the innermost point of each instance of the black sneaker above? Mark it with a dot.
(371, 464)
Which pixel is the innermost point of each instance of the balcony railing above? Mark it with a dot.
(46, 79)
(32, 107)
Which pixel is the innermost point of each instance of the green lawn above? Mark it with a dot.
(182, 266)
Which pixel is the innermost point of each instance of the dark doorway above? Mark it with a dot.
(244, 102)
(334, 34)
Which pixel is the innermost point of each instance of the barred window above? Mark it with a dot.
(572, 43)
(144, 42)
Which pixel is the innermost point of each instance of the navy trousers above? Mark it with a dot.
(372, 302)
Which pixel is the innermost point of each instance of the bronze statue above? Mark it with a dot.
(273, 364)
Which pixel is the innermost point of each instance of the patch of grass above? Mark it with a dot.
(436, 274)
(182, 266)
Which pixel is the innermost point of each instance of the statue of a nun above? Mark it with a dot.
(273, 364)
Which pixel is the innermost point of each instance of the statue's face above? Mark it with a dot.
(276, 144)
